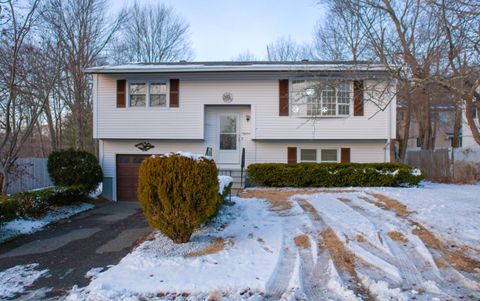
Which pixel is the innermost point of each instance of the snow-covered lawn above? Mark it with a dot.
(23, 226)
(15, 280)
(313, 244)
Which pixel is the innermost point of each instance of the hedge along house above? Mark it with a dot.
(277, 111)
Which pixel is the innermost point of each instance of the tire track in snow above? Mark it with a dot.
(313, 278)
(278, 283)
(350, 282)
(406, 261)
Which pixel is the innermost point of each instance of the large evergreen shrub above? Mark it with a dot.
(333, 174)
(178, 194)
(75, 168)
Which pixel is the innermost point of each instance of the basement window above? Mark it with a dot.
(322, 155)
(308, 155)
(329, 155)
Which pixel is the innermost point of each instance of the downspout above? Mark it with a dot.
(387, 146)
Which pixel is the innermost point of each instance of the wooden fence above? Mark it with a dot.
(29, 173)
(447, 165)
(436, 164)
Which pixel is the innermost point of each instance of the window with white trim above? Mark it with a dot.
(147, 93)
(308, 155)
(319, 98)
(158, 94)
(329, 155)
(138, 94)
(322, 155)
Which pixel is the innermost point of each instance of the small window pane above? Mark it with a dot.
(228, 141)
(138, 159)
(158, 100)
(228, 124)
(343, 109)
(329, 155)
(138, 94)
(329, 105)
(158, 94)
(158, 88)
(309, 155)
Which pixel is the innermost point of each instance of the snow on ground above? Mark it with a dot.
(23, 226)
(312, 244)
(15, 280)
(252, 238)
(450, 211)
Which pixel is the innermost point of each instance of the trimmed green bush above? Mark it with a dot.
(33, 204)
(8, 209)
(75, 168)
(178, 194)
(333, 174)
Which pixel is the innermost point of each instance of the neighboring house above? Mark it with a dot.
(442, 126)
(276, 111)
(467, 138)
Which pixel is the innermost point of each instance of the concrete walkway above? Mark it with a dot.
(70, 248)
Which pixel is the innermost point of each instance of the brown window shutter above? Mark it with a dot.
(292, 155)
(174, 93)
(283, 94)
(121, 93)
(345, 155)
(358, 98)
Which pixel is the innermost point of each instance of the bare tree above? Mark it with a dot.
(20, 104)
(339, 36)
(81, 31)
(286, 49)
(153, 33)
(246, 56)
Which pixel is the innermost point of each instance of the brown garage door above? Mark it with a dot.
(127, 176)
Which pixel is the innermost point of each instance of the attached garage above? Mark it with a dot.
(127, 176)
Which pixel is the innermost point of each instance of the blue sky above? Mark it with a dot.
(221, 29)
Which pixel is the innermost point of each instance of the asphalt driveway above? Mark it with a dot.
(70, 248)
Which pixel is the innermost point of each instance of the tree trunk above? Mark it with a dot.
(425, 120)
(406, 135)
(51, 128)
(4, 177)
(471, 122)
(4, 183)
(457, 125)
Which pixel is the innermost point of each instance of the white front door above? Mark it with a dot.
(228, 138)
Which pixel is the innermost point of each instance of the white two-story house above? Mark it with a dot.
(276, 111)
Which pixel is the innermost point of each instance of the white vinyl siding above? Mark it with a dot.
(187, 121)
(256, 151)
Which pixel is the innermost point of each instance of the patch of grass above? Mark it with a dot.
(217, 245)
(302, 241)
(398, 236)
(456, 258)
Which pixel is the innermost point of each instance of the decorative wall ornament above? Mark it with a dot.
(144, 146)
(227, 97)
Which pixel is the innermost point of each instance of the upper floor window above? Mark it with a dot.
(138, 94)
(155, 92)
(158, 94)
(316, 98)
